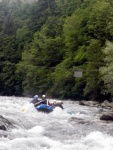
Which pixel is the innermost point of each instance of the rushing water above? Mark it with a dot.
(74, 128)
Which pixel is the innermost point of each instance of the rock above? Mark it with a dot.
(2, 127)
(107, 104)
(81, 103)
(110, 104)
(107, 117)
(5, 123)
(89, 103)
(100, 110)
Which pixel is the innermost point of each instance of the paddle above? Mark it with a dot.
(38, 103)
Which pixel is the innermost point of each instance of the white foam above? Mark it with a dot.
(32, 129)
(36, 130)
(57, 111)
(98, 141)
(28, 108)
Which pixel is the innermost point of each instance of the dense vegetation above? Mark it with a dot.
(44, 42)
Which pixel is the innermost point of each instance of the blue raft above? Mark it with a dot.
(44, 108)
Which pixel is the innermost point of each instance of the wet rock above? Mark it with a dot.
(89, 103)
(2, 127)
(82, 103)
(105, 104)
(110, 104)
(100, 110)
(107, 117)
(4, 123)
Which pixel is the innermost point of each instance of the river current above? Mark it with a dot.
(74, 128)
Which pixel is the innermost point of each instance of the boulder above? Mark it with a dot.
(107, 117)
(4, 123)
(89, 103)
(2, 127)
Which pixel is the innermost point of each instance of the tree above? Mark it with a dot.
(92, 77)
(107, 70)
(41, 55)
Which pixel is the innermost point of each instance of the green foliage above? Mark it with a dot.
(94, 57)
(42, 54)
(9, 56)
(99, 20)
(62, 80)
(9, 81)
(107, 70)
(42, 43)
(66, 8)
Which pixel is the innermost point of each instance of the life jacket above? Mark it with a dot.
(34, 101)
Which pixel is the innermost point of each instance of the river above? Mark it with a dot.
(74, 128)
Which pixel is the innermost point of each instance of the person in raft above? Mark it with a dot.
(44, 100)
(35, 100)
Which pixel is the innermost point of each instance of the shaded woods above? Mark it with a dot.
(42, 43)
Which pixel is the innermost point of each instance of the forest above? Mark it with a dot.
(42, 44)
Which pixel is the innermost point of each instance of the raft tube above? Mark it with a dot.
(44, 108)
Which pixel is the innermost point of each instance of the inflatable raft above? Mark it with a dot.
(44, 108)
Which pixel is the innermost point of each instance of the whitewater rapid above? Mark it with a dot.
(74, 128)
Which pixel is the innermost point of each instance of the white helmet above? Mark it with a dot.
(43, 96)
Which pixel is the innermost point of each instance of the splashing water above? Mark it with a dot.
(74, 128)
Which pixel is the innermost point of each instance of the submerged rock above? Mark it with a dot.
(4, 123)
(2, 127)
